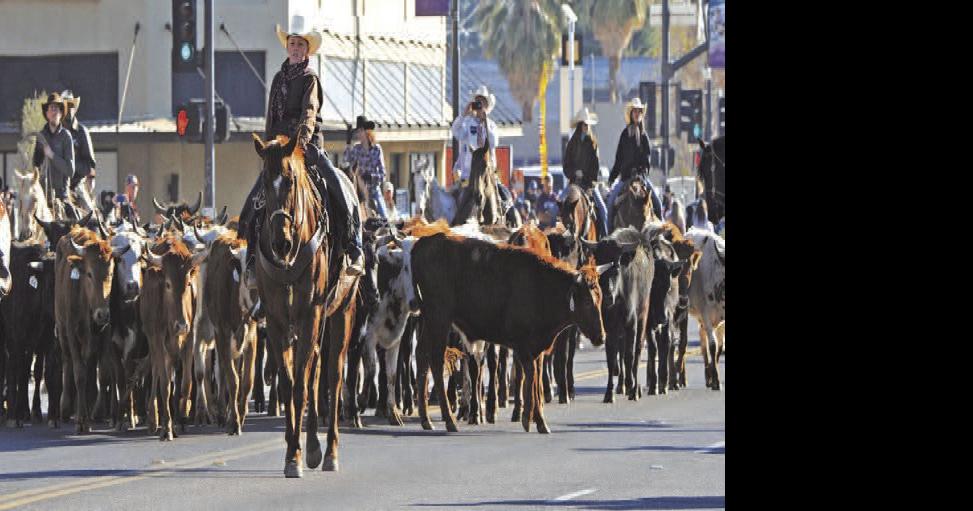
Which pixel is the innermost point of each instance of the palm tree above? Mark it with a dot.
(612, 23)
(521, 35)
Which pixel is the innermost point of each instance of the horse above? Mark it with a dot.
(33, 204)
(478, 201)
(633, 207)
(712, 173)
(298, 295)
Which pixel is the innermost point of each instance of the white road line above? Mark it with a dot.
(710, 449)
(575, 494)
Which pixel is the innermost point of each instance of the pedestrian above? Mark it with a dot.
(473, 130)
(632, 158)
(294, 110)
(581, 163)
(546, 205)
(84, 154)
(366, 156)
(126, 207)
(54, 153)
(107, 206)
(388, 196)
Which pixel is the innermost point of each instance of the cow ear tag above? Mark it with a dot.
(32, 281)
(74, 274)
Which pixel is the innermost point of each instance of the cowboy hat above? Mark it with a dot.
(633, 104)
(361, 122)
(313, 37)
(69, 100)
(585, 116)
(55, 97)
(491, 99)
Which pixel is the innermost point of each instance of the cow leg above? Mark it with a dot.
(640, 341)
(503, 390)
(15, 365)
(247, 369)
(704, 350)
(114, 361)
(611, 359)
(569, 370)
(259, 397)
(631, 363)
(163, 373)
(52, 375)
(391, 365)
(407, 358)
(518, 377)
(548, 373)
(474, 410)
(560, 348)
(36, 415)
(663, 341)
(339, 332)
(683, 343)
(186, 387)
(671, 374)
(531, 374)
(439, 383)
(622, 368)
(491, 398)
(231, 381)
(202, 401)
(538, 412)
(716, 346)
(81, 390)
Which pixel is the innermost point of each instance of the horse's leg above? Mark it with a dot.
(305, 374)
(338, 335)
(352, 404)
(284, 358)
(247, 360)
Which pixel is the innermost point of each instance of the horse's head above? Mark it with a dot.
(285, 186)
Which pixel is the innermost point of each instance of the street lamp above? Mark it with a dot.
(572, 19)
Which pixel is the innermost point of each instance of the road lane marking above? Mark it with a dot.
(570, 496)
(58, 490)
(587, 375)
(710, 449)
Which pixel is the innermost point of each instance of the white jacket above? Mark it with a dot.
(466, 129)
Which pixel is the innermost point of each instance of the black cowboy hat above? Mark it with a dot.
(55, 97)
(361, 122)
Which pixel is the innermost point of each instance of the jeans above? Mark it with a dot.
(656, 203)
(375, 194)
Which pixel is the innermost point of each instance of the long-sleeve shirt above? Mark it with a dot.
(631, 154)
(581, 160)
(370, 161)
(84, 153)
(472, 135)
(62, 164)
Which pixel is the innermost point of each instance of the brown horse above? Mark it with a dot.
(634, 205)
(480, 199)
(712, 175)
(293, 282)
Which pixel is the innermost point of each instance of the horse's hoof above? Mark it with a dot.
(293, 469)
(330, 465)
(451, 427)
(313, 457)
(427, 425)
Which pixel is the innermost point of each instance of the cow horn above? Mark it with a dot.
(721, 255)
(199, 202)
(602, 268)
(139, 230)
(258, 144)
(590, 245)
(152, 259)
(103, 231)
(178, 223)
(158, 207)
(222, 218)
(199, 257)
(120, 251)
(45, 225)
(628, 247)
(84, 221)
(78, 249)
(198, 237)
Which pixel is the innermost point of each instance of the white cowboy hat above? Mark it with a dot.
(69, 99)
(491, 99)
(634, 103)
(313, 37)
(585, 116)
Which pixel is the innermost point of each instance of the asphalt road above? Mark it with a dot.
(662, 452)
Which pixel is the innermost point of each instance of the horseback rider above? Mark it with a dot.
(55, 145)
(473, 130)
(294, 110)
(581, 164)
(368, 158)
(84, 153)
(632, 158)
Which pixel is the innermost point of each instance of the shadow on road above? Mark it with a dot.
(660, 448)
(709, 502)
(173, 472)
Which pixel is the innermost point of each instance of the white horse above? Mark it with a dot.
(32, 204)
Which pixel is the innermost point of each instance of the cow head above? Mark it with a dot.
(178, 210)
(172, 269)
(584, 303)
(93, 266)
(127, 248)
(665, 281)
(686, 252)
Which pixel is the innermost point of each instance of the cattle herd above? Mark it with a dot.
(152, 326)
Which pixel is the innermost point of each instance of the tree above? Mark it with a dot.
(31, 121)
(612, 23)
(521, 35)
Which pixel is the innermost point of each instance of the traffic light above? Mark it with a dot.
(184, 56)
(722, 116)
(191, 121)
(691, 113)
(647, 93)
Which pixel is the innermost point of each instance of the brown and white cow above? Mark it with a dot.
(166, 308)
(84, 268)
(707, 301)
(501, 294)
(226, 304)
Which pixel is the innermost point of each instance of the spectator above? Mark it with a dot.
(546, 205)
(388, 195)
(127, 207)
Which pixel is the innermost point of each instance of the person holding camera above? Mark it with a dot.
(473, 130)
(368, 158)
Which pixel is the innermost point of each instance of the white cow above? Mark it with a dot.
(707, 299)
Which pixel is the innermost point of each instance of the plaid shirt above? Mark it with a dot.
(369, 161)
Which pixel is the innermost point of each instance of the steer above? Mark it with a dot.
(707, 302)
(166, 309)
(84, 269)
(501, 294)
(227, 305)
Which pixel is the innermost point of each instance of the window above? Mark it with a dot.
(385, 91)
(235, 83)
(93, 77)
(342, 79)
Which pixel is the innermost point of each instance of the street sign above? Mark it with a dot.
(680, 15)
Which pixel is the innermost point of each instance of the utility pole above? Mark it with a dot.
(209, 176)
(456, 110)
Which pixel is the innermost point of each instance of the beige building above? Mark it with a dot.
(393, 72)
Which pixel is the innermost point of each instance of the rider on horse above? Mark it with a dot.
(55, 145)
(294, 110)
(633, 157)
(367, 157)
(581, 163)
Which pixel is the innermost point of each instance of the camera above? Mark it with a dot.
(477, 105)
